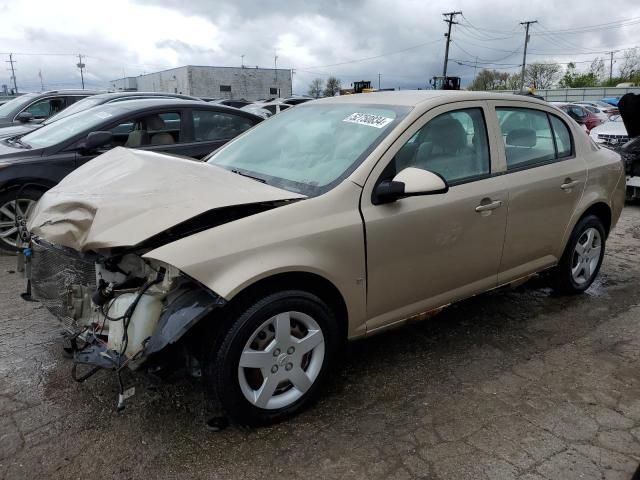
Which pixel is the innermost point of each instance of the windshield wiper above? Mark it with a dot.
(17, 141)
(261, 180)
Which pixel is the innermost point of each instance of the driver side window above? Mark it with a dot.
(46, 108)
(453, 144)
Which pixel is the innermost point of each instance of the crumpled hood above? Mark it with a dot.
(126, 196)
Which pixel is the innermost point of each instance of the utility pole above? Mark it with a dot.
(81, 65)
(450, 21)
(379, 80)
(611, 63)
(275, 70)
(242, 61)
(292, 72)
(475, 69)
(13, 73)
(524, 55)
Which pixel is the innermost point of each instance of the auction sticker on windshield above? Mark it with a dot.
(377, 121)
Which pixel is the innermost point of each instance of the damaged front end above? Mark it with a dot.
(86, 245)
(117, 310)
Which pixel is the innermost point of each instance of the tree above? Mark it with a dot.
(541, 75)
(597, 69)
(332, 87)
(490, 80)
(315, 88)
(573, 79)
(630, 64)
(513, 81)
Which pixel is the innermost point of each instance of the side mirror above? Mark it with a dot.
(24, 117)
(95, 140)
(410, 182)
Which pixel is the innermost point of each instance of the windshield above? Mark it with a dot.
(65, 128)
(603, 104)
(18, 102)
(79, 106)
(310, 148)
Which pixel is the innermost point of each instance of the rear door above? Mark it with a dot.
(207, 130)
(545, 179)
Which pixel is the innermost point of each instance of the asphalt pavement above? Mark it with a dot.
(517, 383)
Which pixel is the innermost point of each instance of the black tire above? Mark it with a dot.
(562, 278)
(28, 194)
(221, 370)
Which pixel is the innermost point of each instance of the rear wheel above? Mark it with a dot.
(15, 203)
(582, 257)
(274, 358)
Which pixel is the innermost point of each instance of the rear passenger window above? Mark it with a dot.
(453, 145)
(562, 136)
(151, 129)
(527, 136)
(209, 125)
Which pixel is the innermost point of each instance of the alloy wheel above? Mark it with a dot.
(586, 256)
(8, 212)
(281, 360)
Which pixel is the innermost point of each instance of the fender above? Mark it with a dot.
(186, 306)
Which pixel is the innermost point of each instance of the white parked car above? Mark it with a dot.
(611, 133)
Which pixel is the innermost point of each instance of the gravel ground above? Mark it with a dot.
(511, 384)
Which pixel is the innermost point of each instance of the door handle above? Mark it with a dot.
(489, 206)
(569, 184)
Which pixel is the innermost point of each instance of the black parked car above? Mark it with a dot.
(35, 162)
(85, 104)
(36, 107)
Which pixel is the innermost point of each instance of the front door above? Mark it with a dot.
(426, 251)
(545, 180)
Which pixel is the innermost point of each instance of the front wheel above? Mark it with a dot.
(582, 257)
(14, 203)
(274, 358)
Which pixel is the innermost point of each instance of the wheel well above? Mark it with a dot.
(42, 186)
(603, 212)
(309, 282)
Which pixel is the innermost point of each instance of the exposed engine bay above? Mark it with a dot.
(117, 310)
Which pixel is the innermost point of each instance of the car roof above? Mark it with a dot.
(114, 95)
(414, 98)
(142, 104)
(66, 92)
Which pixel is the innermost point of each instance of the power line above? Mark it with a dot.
(494, 60)
(601, 26)
(347, 62)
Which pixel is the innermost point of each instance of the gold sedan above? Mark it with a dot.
(331, 221)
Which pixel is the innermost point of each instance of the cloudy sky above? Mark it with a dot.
(401, 40)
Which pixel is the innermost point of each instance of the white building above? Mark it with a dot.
(216, 82)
